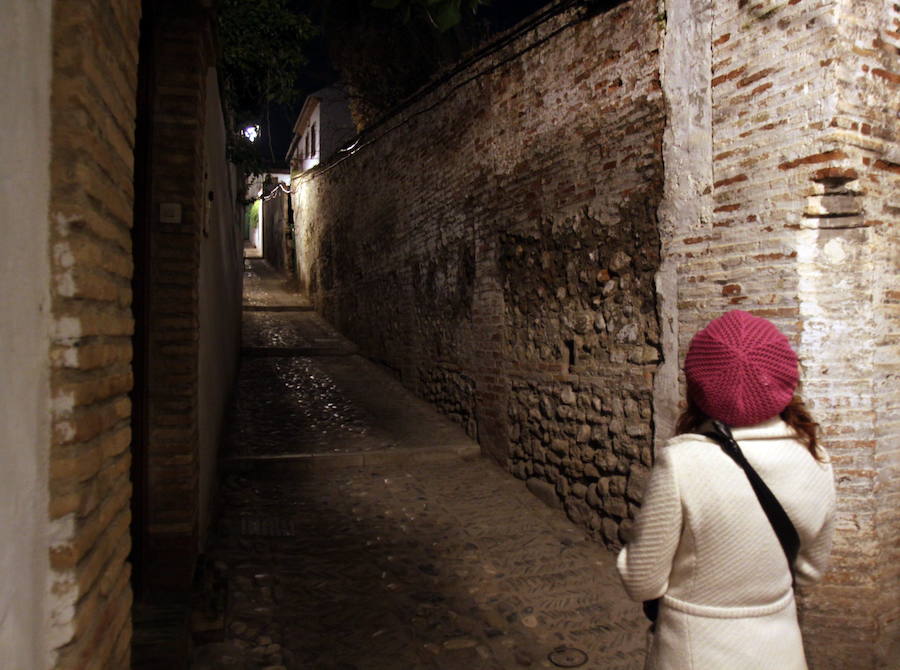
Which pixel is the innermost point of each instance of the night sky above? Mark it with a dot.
(500, 14)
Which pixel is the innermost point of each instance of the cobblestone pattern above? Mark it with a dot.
(450, 566)
(291, 330)
(523, 245)
(288, 403)
(409, 564)
(291, 405)
(275, 329)
(91, 172)
(357, 406)
(265, 288)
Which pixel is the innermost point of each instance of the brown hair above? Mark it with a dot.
(795, 415)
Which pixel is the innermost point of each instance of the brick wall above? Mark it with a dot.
(865, 206)
(497, 248)
(92, 200)
(182, 54)
(797, 224)
(495, 245)
(173, 324)
(93, 111)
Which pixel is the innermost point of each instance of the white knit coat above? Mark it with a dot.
(703, 543)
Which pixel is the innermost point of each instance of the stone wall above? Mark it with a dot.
(275, 205)
(793, 220)
(496, 246)
(93, 111)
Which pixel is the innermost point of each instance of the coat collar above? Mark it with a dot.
(767, 430)
(770, 429)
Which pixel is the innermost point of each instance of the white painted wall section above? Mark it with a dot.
(221, 272)
(25, 68)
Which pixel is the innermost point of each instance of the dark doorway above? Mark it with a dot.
(143, 218)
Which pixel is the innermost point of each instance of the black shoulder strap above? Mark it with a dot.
(781, 522)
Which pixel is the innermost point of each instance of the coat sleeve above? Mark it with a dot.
(645, 563)
(814, 555)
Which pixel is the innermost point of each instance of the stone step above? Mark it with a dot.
(287, 352)
(277, 308)
(326, 462)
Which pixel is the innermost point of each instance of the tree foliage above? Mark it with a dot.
(383, 50)
(263, 46)
(442, 14)
(386, 49)
(263, 49)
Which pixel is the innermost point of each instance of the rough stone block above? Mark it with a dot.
(544, 491)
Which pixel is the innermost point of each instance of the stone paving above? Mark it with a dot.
(264, 288)
(359, 530)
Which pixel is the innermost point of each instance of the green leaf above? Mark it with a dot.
(446, 15)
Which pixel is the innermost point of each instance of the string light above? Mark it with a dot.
(278, 187)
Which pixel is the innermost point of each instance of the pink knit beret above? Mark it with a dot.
(741, 369)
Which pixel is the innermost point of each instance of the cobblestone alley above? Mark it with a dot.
(359, 530)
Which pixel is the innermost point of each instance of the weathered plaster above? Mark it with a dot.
(685, 70)
(24, 331)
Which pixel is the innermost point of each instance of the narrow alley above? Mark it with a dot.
(357, 529)
(504, 228)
